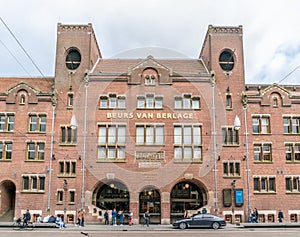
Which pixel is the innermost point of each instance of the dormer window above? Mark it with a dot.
(150, 77)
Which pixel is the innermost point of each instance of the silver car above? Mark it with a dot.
(200, 221)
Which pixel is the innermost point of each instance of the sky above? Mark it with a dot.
(271, 32)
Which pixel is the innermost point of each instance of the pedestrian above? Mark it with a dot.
(81, 216)
(255, 215)
(251, 215)
(60, 222)
(121, 217)
(146, 217)
(185, 214)
(204, 211)
(280, 216)
(130, 217)
(114, 217)
(26, 218)
(78, 219)
(106, 218)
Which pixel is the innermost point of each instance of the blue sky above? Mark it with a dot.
(271, 31)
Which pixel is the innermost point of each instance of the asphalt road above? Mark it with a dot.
(185, 233)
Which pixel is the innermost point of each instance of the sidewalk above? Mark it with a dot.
(140, 227)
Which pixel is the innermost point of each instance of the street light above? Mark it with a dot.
(213, 84)
(237, 125)
(73, 124)
(233, 201)
(65, 188)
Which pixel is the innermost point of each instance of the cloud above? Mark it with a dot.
(271, 45)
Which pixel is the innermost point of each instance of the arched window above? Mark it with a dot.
(150, 76)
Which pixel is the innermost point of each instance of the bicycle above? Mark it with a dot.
(20, 225)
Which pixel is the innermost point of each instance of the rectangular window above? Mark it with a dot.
(261, 124)
(292, 152)
(264, 184)
(187, 101)
(72, 196)
(5, 150)
(291, 125)
(33, 183)
(7, 122)
(231, 168)
(228, 101)
(70, 100)
(230, 136)
(149, 101)
(111, 141)
(149, 134)
(35, 151)
(112, 101)
(37, 123)
(292, 184)
(187, 142)
(263, 152)
(60, 196)
(68, 135)
(67, 168)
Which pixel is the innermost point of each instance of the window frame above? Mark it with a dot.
(33, 183)
(111, 149)
(264, 184)
(187, 142)
(259, 126)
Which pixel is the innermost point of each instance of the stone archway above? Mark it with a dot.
(187, 195)
(7, 198)
(112, 195)
(150, 200)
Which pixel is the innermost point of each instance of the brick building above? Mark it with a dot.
(153, 134)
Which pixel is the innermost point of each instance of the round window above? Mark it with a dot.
(226, 60)
(73, 59)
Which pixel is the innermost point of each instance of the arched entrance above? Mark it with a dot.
(149, 200)
(8, 197)
(187, 195)
(112, 195)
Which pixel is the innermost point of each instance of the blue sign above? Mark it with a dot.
(239, 197)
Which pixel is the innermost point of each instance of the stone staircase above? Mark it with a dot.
(7, 216)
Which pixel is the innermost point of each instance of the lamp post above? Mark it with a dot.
(213, 84)
(74, 125)
(65, 188)
(233, 201)
(237, 124)
(51, 159)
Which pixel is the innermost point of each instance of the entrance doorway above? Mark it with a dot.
(8, 197)
(150, 201)
(187, 196)
(112, 195)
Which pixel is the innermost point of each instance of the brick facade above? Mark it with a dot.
(151, 134)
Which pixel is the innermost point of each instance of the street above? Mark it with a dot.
(190, 233)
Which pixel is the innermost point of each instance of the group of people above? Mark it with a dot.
(117, 217)
(253, 216)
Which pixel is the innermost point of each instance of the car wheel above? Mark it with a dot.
(215, 225)
(182, 225)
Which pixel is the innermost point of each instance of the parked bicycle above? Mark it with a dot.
(19, 224)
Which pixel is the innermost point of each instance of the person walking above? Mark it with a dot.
(121, 217)
(106, 218)
(280, 216)
(146, 217)
(130, 217)
(114, 217)
(255, 215)
(27, 218)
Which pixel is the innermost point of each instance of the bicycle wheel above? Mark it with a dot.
(29, 226)
(16, 226)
